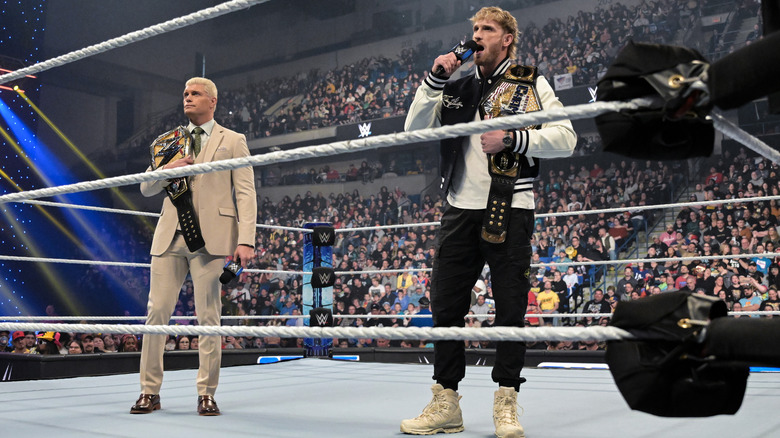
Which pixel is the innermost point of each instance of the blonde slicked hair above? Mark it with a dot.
(504, 19)
(208, 85)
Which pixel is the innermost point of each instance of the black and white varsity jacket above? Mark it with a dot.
(463, 165)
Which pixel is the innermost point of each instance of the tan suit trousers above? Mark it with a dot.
(168, 273)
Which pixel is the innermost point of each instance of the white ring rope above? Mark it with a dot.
(272, 271)
(92, 208)
(595, 333)
(424, 224)
(139, 35)
(136, 318)
(385, 271)
(340, 316)
(278, 227)
(455, 333)
(573, 112)
(127, 264)
(73, 261)
(725, 126)
(389, 271)
(658, 260)
(661, 206)
(142, 213)
(388, 227)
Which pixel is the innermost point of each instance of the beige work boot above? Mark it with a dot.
(505, 414)
(442, 414)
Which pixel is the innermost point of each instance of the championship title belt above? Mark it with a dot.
(514, 93)
(167, 148)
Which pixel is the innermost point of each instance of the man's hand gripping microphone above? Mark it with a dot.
(231, 270)
(463, 52)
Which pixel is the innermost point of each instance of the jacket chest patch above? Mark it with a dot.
(451, 102)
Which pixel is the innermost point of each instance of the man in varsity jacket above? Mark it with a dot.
(488, 180)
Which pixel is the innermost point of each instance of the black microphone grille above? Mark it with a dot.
(226, 277)
(471, 44)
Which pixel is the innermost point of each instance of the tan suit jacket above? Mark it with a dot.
(223, 223)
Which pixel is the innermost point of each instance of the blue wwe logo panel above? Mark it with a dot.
(318, 286)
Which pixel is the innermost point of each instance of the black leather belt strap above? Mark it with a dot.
(181, 197)
(513, 93)
(503, 168)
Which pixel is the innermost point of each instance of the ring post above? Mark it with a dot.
(318, 286)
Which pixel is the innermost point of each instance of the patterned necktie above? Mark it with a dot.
(196, 139)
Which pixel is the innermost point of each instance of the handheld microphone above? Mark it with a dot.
(231, 270)
(463, 52)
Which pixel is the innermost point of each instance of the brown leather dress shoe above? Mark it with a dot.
(207, 406)
(146, 404)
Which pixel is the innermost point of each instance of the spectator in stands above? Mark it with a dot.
(480, 308)
(404, 281)
(572, 281)
(596, 305)
(19, 343)
(715, 178)
(109, 345)
(669, 237)
(754, 34)
(621, 292)
(751, 301)
(129, 343)
(30, 340)
(75, 347)
(424, 310)
(548, 303)
(48, 343)
(773, 278)
(88, 344)
(100, 346)
(332, 175)
(532, 309)
(610, 297)
(736, 307)
(183, 342)
(772, 302)
(608, 242)
(365, 173)
(352, 173)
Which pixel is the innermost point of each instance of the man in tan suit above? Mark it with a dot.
(227, 227)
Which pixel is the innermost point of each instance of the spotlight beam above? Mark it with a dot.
(127, 202)
(43, 211)
(57, 283)
(89, 229)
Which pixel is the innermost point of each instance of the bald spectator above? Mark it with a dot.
(597, 305)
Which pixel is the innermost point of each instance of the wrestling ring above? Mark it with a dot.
(318, 397)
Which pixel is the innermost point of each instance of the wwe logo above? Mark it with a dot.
(325, 237)
(592, 94)
(325, 278)
(322, 319)
(365, 129)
